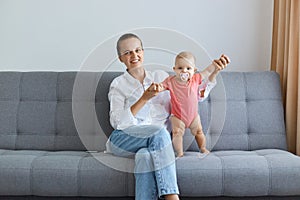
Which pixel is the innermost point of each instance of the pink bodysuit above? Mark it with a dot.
(184, 98)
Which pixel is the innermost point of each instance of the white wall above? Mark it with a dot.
(59, 34)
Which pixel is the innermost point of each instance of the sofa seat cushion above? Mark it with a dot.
(239, 173)
(221, 173)
(60, 173)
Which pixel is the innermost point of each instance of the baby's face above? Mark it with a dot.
(184, 69)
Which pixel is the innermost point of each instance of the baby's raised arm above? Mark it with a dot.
(217, 65)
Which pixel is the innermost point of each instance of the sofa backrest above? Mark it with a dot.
(243, 112)
(36, 111)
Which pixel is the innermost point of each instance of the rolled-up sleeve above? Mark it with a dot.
(120, 116)
(209, 86)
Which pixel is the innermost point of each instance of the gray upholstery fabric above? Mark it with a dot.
(132, 198)
(60, 173)
(221, 173)
(43, 145)
(253, 113)
(239, 173)
(36, 111)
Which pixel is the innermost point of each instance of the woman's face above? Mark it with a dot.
(132, 53)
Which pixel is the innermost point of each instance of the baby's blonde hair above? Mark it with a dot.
(187, 56)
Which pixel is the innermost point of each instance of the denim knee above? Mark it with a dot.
(143, 161)
(161, 139)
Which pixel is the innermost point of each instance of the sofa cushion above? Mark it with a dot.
(37, 111)
(269, 172)
(239, 173)
(61, 173)
(243, 112)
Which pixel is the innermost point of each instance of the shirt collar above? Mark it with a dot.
(129, 78)
(148, 78)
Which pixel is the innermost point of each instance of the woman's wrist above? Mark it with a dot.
(138, 105)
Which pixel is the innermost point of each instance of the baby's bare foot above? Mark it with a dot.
(179, 155)
(205, 151)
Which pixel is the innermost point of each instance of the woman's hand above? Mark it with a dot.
(152, 91)
(221, 63)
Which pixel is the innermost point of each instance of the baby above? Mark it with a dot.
(183, 87)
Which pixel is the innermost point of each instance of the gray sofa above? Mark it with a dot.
(51, 148)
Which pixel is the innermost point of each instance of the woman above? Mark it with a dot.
(139, 115)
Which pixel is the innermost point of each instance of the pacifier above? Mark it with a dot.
(184, 76)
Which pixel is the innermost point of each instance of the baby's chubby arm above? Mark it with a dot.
(215, 67)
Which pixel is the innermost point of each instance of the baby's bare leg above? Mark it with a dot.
(178, 128)
(196, 129)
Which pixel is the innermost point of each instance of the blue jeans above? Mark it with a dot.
(155, 170)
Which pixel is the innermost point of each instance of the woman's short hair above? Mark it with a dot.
(125, 37)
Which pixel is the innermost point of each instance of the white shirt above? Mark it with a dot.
(125, 90)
